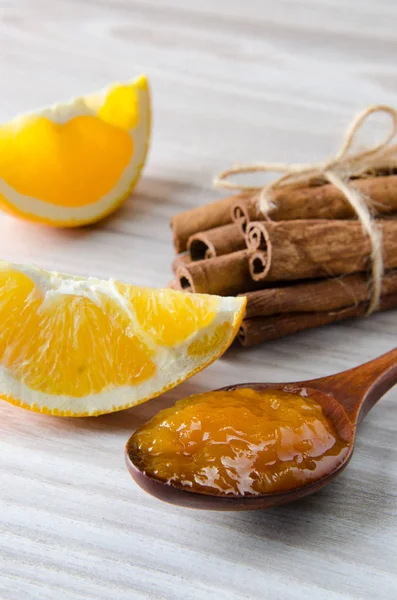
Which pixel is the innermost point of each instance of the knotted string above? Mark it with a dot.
(337, 171)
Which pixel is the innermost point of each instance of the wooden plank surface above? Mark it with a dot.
(232, 81)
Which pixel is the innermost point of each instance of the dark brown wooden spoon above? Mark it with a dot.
(345, 399)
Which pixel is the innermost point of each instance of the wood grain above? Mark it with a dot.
(231, 81)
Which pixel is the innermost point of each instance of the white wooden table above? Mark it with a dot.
(232, 81)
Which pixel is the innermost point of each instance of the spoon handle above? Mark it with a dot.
(360, 388)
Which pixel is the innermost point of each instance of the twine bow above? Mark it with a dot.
(338, 171)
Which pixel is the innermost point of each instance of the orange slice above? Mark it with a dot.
(72, 164)
(74, 347)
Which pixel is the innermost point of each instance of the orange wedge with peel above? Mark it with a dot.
(73, 346)
(72, 164)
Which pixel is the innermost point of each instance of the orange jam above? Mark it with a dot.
(239, 443)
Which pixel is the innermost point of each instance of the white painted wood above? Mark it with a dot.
(231, 80)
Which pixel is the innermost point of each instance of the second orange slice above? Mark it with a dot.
(74, 163)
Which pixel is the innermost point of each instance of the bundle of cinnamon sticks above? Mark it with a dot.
(306, 267)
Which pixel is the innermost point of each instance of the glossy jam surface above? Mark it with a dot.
(239, 443)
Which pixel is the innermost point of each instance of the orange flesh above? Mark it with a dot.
(239, 443)
(52, 347)
(82, 159)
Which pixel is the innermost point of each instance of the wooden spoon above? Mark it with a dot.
(345, 399)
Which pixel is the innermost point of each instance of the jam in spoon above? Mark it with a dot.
(256, 445)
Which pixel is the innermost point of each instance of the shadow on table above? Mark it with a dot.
(154, 196)
(349, 508)
(124, 421)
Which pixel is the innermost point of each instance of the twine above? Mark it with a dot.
(337, 171)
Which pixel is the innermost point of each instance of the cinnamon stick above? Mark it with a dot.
(244, 210)
(216, 242)
(256, 235)
(180, 260)
(265, 329)
(318, 201)
(316, 296)
(199, 219)
(223, 275)
(319, 248)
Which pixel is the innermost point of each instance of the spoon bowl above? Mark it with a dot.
(345, 399)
